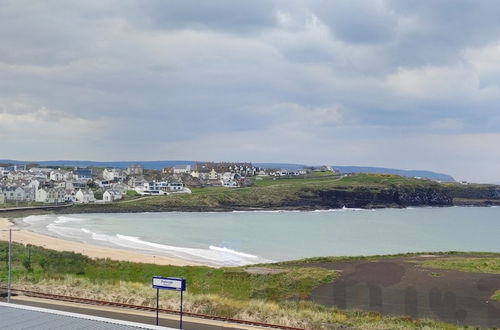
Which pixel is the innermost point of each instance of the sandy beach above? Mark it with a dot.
(92, 251)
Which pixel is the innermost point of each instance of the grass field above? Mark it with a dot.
(38, 263)
(279, 298)
(484, 264)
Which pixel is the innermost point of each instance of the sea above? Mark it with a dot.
(242, 238)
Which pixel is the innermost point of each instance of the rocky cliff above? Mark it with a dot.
(370, 198)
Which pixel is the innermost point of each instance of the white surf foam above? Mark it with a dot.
(63, 219)
(343, 209)
(65, 232)
(214, 254)
(230, 251)
(33, 219)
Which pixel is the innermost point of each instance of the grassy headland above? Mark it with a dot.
(316, 191)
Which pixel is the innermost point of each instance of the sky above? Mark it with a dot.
(405, 84)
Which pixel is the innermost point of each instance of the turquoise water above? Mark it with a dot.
(238, 238)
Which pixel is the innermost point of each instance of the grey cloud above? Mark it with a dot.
(225, 80)
(437, 32)
(357, 21)
(236, 16)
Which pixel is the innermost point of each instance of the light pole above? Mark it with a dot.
(10, 261)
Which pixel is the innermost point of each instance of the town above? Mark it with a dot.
(30, 184)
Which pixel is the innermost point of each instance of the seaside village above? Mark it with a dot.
(32, 184)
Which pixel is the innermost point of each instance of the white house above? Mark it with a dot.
(70, 196)
(112, 174)
(56, 175)
(111, 195)
(29, 193)
(135, 170)
(179, 169)
(34, 184)
(18, 175)
(85, 196)
(14, 194)
(50, 195)
(136, 182)
(227, 176)
(176, 186)
(121, 187)
(2, 198)
(213, 175)
(68, 176)
(43, 170)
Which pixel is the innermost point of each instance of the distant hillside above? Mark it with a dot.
(409, 173)
(156, 165)
(150, 165)
(284, 166)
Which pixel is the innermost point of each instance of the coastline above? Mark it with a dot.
(93, 251)
(96, 251)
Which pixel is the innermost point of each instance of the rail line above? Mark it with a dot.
(147, 308)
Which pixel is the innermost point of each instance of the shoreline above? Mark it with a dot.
(23, 236)
(116, 207)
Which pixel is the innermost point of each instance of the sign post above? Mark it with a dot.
(9, 280)
(168, 283)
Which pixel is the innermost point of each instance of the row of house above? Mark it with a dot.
(54, 186)
(48, 185)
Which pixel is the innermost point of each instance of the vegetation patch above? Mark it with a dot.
(277, 295)
(385, 256)
(496, 296)
(38, 264)
(303, 314)
(466, 264)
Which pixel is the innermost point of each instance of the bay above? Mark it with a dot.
(240, 238)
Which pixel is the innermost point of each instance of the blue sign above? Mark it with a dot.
(169, 283)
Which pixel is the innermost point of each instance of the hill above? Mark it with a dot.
(409, 173)
(320, 190)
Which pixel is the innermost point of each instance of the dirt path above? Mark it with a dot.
(398, 287)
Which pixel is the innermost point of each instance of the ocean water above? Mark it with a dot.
(240, 238)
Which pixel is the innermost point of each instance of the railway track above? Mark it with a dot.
(147, 308)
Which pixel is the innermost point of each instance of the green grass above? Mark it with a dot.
(303, 314)
(228, 292)
(269, 193)
(235, 283)
(496, 296)
(379, 257)
(466, 264)
(358, 180)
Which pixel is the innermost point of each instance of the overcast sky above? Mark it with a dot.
(405, 84)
